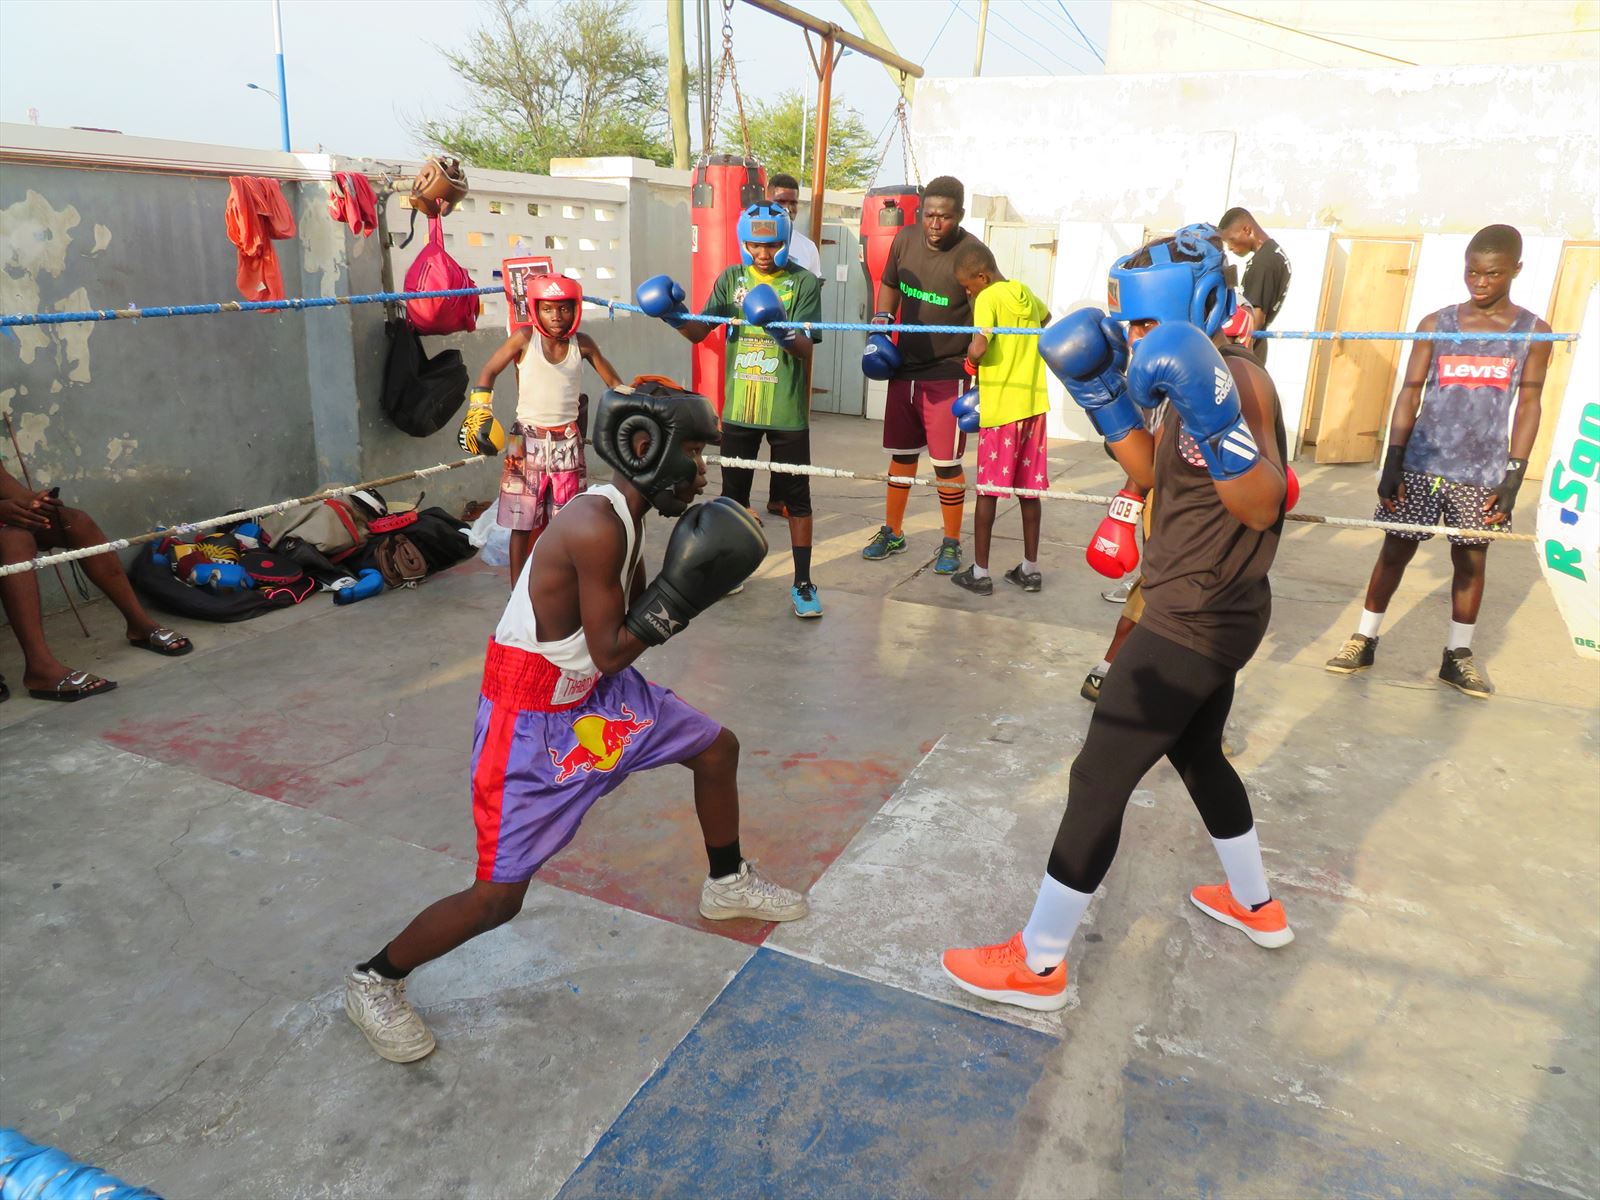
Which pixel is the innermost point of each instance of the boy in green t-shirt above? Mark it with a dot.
(765, 384)
(1012, 409)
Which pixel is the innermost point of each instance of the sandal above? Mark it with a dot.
(75, 686)
(164, 642)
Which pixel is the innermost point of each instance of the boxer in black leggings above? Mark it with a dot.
(1215, 465)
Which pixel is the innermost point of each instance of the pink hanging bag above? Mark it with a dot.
(434, 271)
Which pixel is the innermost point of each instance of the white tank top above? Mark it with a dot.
(547, 393)
(517, 625)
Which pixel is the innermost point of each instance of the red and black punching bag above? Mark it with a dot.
(724, 186)
(885, 211)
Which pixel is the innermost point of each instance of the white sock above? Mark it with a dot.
(1371, 622)
(1029, 567)
(1460, 636)
(1241, 861)
(979, 572)
(1055, 918)
(1100, 668)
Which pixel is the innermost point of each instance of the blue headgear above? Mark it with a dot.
(765, 224)
(1197, 289)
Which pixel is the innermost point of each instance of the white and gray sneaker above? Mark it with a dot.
(381, 1011)
(748, 894)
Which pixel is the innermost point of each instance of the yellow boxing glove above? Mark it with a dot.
(480, 433)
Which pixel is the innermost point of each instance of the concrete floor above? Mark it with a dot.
(189, 865)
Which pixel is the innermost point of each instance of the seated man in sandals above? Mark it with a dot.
(36, 522)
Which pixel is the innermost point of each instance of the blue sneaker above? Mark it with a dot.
(884, 543)
(806, 603)
(949, 557)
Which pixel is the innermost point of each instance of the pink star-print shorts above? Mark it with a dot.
(1013, 456)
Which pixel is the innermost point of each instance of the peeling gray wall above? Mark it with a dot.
(145, 422)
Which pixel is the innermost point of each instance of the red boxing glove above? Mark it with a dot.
(1239, 324)
(1291, 489)
(1114, 548)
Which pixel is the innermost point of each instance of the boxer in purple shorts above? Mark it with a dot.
(563, 716)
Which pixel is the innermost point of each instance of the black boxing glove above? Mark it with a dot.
(1504, 494)
(1389, 482)
(714, 548)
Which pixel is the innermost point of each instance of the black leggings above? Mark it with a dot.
(1159, 699)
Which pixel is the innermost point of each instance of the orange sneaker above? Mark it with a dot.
(1267, 926)
(1000, 972)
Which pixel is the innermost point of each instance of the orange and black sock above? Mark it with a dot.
(953, 503)
(894, 510)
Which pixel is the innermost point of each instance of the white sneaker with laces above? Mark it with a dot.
(748, 894)
(381, 1011)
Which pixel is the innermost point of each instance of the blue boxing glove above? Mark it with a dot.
(1088, 352)
(965, 409)
(881, 359)
(762, 306)
(1177, 362)
(660, 296)
(221, 577)
(370, 584)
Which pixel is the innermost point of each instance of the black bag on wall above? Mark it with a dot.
(420, 394)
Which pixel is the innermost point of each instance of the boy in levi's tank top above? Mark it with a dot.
(544, 464)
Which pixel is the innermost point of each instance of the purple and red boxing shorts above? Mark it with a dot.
(537, 771)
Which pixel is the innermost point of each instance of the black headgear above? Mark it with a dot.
(671, 416)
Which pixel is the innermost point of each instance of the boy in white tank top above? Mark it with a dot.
(563, 714)
(544, 464)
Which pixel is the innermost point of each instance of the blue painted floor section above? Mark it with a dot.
(801, 1081)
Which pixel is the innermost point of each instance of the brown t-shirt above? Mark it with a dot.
(1205, 571)
(929, 295)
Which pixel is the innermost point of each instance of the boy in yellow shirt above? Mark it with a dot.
(1012, 409)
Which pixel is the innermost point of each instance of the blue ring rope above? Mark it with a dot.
(10, 320)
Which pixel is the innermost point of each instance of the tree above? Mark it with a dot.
(573, 79)
(775, 139)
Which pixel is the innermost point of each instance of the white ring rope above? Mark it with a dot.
(748, 464)
(233, 518)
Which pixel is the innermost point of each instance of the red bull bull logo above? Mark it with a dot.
(599, 745)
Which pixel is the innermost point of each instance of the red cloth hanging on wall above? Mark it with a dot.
(353, 201)
(257, 215)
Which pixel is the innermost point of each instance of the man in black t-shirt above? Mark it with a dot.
(1266, 277)
(919, 282)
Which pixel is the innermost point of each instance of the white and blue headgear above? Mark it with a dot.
(765, 225)
(1197, 287)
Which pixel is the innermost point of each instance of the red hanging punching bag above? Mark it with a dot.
(724, 186)
(885, 211)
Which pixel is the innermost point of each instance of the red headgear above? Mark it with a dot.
(555, 287)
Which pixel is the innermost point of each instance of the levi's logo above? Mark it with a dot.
(1476, 370)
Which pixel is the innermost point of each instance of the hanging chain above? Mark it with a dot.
(728, 72)
(906, 149)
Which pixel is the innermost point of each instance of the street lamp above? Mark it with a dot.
(257, 87)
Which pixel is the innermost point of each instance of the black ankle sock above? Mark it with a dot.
(1263, 904)
(724, 860)
(380, 963)
(802, 564)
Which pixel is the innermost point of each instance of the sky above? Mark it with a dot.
(361, 72)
